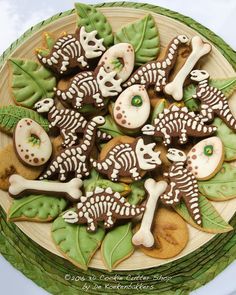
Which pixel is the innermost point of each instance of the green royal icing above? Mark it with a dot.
(208, 150)
(137, 101)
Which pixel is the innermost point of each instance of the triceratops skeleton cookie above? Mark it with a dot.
(128, 160)
(91, 87)
(182, 185)
(75, 159)
(70, 122)
(71, 51)
(213, 100)
(102, 205)
(156, 73)
(178, 122)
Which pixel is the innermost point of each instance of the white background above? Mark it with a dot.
(16, 16)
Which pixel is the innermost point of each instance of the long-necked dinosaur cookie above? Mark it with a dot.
(32, 144)
(213, 100)
(156, 73)
(128, 160)
(71, 51)
(178, 122)
(119, 58)
(182, 185)
(75, 159)
(91, 87)
(132, 107)
(70, 122)
(102, 205)
(205, 158)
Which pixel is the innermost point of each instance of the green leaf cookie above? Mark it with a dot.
(39, 208)
(75, 243)
(96, 180)
(159, 108)
(222, 186)
(110, 127)
(144, 37)
(227, 86)
(92, 19)
(228, 137)
(137, 194)
(10, 115)
(117, 245)
(30, 82)
(211, 219)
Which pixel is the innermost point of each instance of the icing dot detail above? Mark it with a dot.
(208, 150)
(137, 101)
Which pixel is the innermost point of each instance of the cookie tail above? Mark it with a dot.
(192, 203)
(228, 118)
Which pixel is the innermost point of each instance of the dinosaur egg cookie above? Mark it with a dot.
(205, 159)
(119, 58)
(32, 144)
(132, 107)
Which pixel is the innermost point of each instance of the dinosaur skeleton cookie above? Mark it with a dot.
(157, 73)
(144, 235)
(213, 100)
(70, 122)
(91, 87)
(205, 158)
(128, 160)
(32, 144)
(182, 184)
(178, 122)
(102, 205)
(71, 51)
(199, 49)
(75, 159)
(132, 107)
(19, 186)
(119, 58)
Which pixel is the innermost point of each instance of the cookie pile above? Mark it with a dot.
(114, 139)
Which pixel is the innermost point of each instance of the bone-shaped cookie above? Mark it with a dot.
(199, 49)
(144, 235)
(19, 186)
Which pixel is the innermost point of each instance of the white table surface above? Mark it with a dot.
(17, 16)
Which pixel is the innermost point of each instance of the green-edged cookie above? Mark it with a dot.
(40, 208)
(30, 82)
(222, 186)
(212, 222)
(75, 243)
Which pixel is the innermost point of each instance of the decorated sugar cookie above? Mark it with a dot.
(102, 205)
(205, 158)
(70, 122)
(156, 73)
(71, 51)
(20, 186)
(132, 107)
(182, 185)
(119, 58)
(178, 122)
(213, 100)
(91, 88)
(75, 159)
(32, 144)
(199, 49)
(128, 160)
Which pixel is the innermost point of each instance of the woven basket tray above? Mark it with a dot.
(28, 246)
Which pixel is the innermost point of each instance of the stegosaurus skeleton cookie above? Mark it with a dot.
(128, 160)
(91, 87)
(75, 159)
(182, 185)
(71, 51)
(178, 122)
(102, 205)
(157, 72)
(70, 122)
(213, 100)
